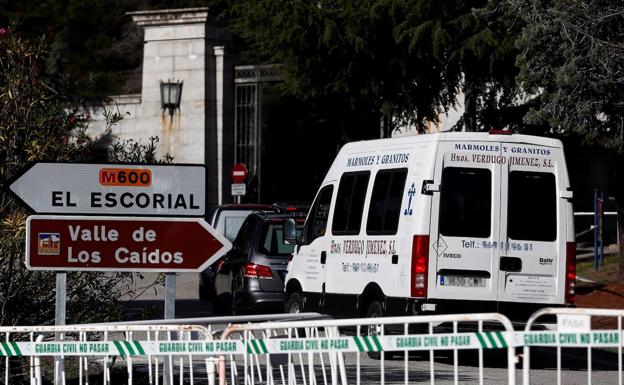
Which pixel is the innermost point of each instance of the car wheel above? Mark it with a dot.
(374, 310)
(294, 305)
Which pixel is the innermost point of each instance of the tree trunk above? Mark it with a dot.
(619, 191)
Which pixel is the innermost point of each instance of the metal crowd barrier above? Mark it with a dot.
(587, 340)
(338, 351)
(587, 343)
(152, 345)
(81, 348)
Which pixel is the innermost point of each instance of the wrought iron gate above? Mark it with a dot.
(248, 82)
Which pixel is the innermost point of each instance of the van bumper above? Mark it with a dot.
(517, 312)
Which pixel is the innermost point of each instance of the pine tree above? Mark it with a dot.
(572, 61)
(408, 60)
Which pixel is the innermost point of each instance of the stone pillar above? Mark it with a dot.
(219, 53)
(180, 46)
(218, 118)
(224, 81)
(174, 48)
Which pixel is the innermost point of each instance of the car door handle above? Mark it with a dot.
(323, 257)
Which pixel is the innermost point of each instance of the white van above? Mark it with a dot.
(444, 223)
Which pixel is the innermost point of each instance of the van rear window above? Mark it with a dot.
(385, 205)
(466, 202)
(350, 203)
(532, 206)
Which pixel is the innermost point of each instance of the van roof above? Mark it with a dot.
(455, 136)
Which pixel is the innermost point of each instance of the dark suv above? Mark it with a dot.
(250, 278)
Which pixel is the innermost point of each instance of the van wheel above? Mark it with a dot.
(375, 310)
(294, 305)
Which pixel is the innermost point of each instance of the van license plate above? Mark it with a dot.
(456, 280)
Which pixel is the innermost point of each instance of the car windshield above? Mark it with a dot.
(272, 240)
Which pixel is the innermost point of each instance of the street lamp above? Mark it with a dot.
(170, 95)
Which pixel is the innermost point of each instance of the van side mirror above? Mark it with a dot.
(290, 232)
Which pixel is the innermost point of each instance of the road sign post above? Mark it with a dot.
(239, 173)
(239, 176)
(60, 312)
(112, 189)
(133, 230)
(151, 244)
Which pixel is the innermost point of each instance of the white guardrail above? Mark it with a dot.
(580, 335)
(87, 349)
(315, 352)
(393, 350)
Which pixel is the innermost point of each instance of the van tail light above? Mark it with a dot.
(252, 270)
(500, 132)
(570, 277)
(420, 265)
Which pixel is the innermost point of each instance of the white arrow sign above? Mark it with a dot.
(113, 189)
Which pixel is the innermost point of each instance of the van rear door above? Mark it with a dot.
(465, 221)
(533, 217)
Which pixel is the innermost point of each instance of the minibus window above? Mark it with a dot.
(466, 202)
(532, 206)
(317, 220)
(350, 203)
(385, 205)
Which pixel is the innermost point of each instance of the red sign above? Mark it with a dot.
(122, 244)
(239, 173)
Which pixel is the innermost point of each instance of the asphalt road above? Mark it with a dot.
(418, 365)
(150, 303)
(543, 361)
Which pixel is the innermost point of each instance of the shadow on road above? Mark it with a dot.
(574, 359)
(154, 309)
(541, 358)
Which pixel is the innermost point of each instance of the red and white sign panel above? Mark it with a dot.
(69, 243)
(239, 173)
(113, 189)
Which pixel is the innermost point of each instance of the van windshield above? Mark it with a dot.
(532, 206)
(466, 202)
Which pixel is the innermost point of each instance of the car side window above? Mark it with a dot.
(316, 224)
(243, 238)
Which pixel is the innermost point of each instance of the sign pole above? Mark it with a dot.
(170, 295)
(60, 311)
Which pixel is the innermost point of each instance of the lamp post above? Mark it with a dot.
(170, 95)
